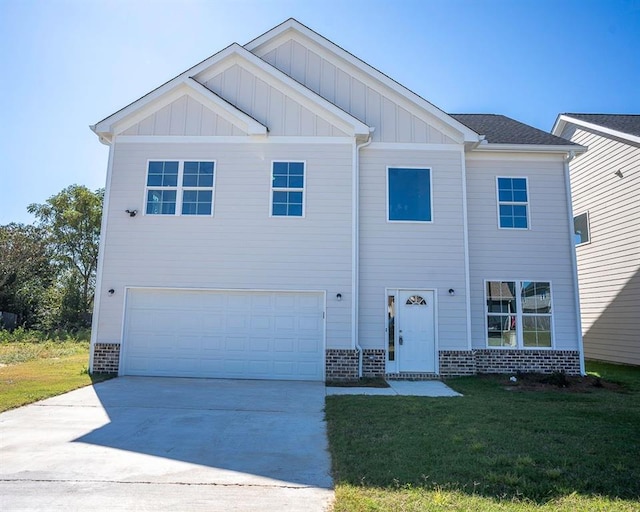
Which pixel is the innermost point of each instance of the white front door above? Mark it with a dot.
(415, 331)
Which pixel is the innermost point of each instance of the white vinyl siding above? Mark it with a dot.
(541, 253)
(609, 265)
(185, 116)
(412, 255)
(269, 105)
(244, 248)
(354, 92)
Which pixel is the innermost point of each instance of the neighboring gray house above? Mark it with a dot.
(283, 210)
(605, 184)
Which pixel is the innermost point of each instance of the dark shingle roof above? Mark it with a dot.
(626, 123)
(503, 130)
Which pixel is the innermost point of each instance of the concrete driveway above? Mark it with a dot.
(138, 443)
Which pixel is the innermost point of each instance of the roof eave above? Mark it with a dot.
(532, 148)
(564, 119)
(468, 135)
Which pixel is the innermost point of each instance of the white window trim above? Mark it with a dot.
(519, 314)
(304, 189)
(386, 199)
(586, 212)
(518, 203)
(178, 188)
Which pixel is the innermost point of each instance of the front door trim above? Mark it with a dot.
(393, 366)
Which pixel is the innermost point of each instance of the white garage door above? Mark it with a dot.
(239, 334)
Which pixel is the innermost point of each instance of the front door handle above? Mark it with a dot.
(400, 339)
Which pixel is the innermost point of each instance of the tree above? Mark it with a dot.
(25, 270)
(71, 221)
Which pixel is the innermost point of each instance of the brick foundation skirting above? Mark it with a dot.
(457, 362)
(106, 357)
(525, 361)
(374, 361)
(341, 364)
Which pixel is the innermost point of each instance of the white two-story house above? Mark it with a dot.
(283, 210)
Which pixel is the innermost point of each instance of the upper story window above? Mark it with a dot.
(513, 203)
(408, 194)
(581, 233)
(518, 314)
(287, 189)
(179, 187)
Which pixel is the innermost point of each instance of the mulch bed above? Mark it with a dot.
(557, 382)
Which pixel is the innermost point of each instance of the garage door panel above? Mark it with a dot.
(266, 335)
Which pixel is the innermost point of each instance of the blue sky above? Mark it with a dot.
(67, 64)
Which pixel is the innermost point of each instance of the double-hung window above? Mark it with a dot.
(287, 189)
(178, 187)
(513, 203)
(408, 194)
(518, 314)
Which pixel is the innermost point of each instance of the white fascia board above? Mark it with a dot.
(306, 97)
(188, 86)
(330, 51)
(563, 120)
(103, 127)
(531, 148)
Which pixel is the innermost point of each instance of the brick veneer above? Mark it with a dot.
(540, 361)
(374, 361)
(106, 357)
(341, 364)
(457, 362)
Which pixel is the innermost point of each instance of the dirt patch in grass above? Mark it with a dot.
(557, 382)
(362, 382)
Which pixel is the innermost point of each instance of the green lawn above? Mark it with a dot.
(492, 449)
(31, 371)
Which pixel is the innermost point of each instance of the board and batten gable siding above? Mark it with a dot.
(185, 116)
(240, 246)
(348, 88)
(609, 265)
(268, 105)
(541, 253)
(412, 255)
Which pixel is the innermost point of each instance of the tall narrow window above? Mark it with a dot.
(391, 329)
(581, 229)
(287, 189)
(197, 188)
(513, 203)
(409, 195)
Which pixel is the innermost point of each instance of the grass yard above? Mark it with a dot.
(34, 370)
(493, 449)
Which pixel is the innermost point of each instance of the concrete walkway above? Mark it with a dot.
(433, 388)
(137, 443)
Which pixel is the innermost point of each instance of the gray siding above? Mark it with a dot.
(354, 92)
(542, 253)
(609, 265)
(185, 116)
(268, 105)
(240, 247)
(412, 255)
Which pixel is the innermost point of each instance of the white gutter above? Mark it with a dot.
(531, 148)
(574, 261)
(355, 245)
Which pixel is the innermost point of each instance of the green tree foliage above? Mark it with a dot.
(70, 221)
(26, 271)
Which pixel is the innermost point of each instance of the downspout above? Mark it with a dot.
(574, 260)
(97, 296)
(355, 245)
